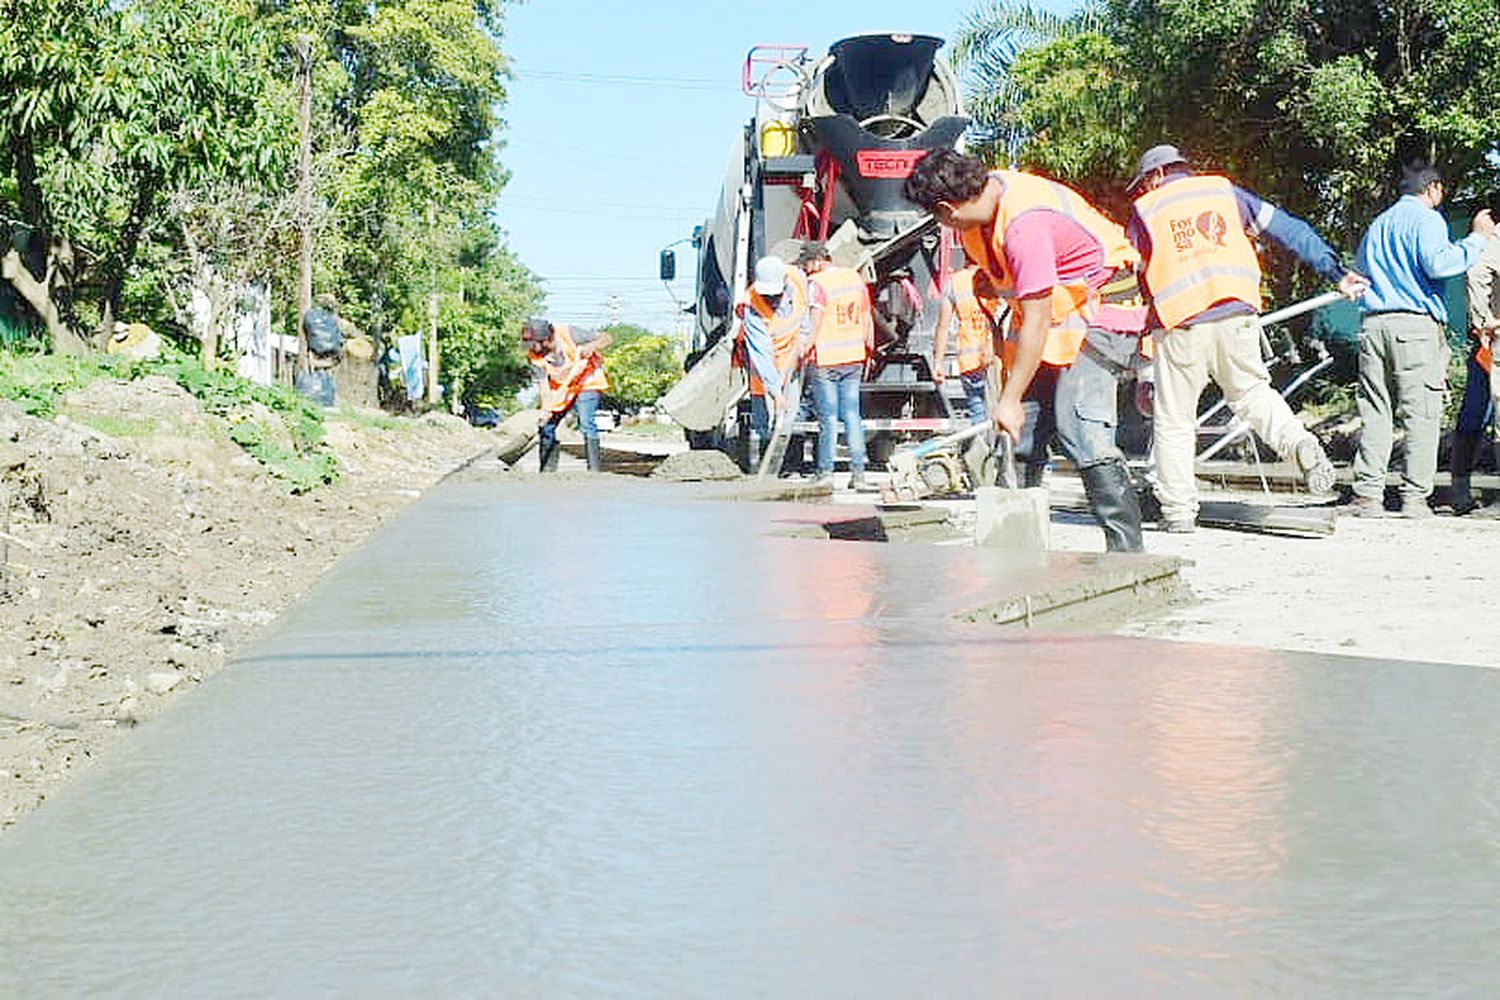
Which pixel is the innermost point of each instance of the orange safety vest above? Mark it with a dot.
(570, 375)
(1200, 255)
(840, 336)
(976, 321)
(785, 330)
(1072, 302)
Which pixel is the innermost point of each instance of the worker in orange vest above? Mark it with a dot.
(1202, 277)
(843, 338)
(570, 378)
(1070, 346)
(775, 325)
(972, 302)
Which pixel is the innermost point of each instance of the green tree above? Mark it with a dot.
(1312, 103)
(641, 370)
(96, 127)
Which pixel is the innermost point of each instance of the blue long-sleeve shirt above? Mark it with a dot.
(759, 350)
(1259, 218)
(1407, 255)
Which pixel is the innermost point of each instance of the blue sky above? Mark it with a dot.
(619, 127)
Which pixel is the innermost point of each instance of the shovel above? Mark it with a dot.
(1010, 518)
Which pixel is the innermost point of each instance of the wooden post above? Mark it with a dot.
(434, 396)
(304, 195)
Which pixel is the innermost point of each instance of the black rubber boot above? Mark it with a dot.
(1113, 500)
(549, 455)
(591, 453)
(1461, 464)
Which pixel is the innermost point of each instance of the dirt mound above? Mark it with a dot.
(154, 397)
(697, 466)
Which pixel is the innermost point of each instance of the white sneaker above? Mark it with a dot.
(1317, 470)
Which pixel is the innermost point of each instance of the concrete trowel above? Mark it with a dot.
(1011, 518)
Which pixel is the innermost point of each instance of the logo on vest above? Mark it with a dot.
(1209, 226)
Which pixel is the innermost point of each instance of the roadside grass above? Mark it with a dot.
(38, 383)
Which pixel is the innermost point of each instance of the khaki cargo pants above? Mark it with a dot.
(1403, 372)
(1227, 351)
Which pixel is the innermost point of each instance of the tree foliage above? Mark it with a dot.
(641, 369)
(96, 126)
(148, 147)
(1312, 103)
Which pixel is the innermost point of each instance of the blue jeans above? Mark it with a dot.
(974, 392)
(1078, 403)
(760, 416)
(585, 406)
(836, 392)
(1474, 413)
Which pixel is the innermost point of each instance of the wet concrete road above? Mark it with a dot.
(616, 743)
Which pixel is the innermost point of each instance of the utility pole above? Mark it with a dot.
(304, 195)
(433, 395)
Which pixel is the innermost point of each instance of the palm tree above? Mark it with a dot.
(985, 50)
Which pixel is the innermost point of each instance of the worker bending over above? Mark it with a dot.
(775, 326)
(1052, 253)
(1202, 277)
(972, 304)
(570, 377)
(843, 338)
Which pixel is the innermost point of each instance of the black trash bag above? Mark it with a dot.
(316, 385)
(324, 338)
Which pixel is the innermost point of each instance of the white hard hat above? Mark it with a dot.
(770, 275)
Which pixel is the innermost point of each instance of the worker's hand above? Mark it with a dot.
(937, 373)
(1484, 223)
(1353, 286)
(1010, 418)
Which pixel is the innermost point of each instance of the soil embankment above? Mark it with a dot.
(139, 546)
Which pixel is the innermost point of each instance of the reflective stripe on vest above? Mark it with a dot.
(1200, 255)
(785, 328)
(840, 336)
(976, 319)
(590, 378)
(1024, 193)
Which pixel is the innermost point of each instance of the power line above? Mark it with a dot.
(619, 79)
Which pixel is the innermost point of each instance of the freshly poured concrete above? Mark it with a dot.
(613, 742)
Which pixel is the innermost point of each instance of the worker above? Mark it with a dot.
(570, 377)
(1052, 252)
(972, 303)
(843, 339)
(775, 326)
(1202, 278)
(1403, 351)
(1478, 408)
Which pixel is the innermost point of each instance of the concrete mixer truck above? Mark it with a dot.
(824, 158)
